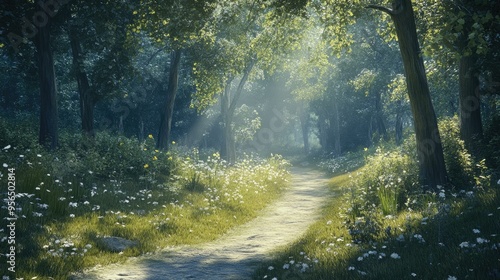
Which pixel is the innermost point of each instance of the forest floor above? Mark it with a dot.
(237, 254)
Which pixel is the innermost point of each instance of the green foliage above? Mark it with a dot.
(492, 142)
(463, 170)
(389, 178)
(107, 156)
(22, 134)
(246, 123)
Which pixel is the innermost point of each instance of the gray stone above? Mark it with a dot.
(117, 244)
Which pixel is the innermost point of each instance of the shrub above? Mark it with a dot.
(389, 177)
(463, 169)
(492, 143)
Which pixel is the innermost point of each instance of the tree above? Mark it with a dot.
(85, 95)
(175, 25)
(249, 37)
(48, 135)
(463, 34)
(168, 108)
(429, 147)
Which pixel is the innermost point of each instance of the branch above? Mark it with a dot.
(381, 8)
(239, 90)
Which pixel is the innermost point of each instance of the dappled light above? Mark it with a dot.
(249, 139)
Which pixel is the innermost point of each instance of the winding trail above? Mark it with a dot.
(236, 254)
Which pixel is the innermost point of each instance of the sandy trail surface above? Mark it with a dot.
(236, 254)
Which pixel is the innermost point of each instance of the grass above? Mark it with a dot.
(455, 237)
(62, 217)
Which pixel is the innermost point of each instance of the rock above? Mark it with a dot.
(117, 244)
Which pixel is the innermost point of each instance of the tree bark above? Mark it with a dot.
(470, 106)
(48, 134)
(168, 110)
(429, 147)
(87, 102)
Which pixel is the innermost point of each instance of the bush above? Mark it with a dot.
(463, 170)
(388, 178)
(108, 156)
(492, 143)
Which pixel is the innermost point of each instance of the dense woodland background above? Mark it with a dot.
(214, 74)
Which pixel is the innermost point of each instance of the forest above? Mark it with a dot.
(250, 139)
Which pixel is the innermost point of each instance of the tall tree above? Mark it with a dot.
(174, 25)
(168, 108)
(85, 95)
(429, 147)
(249, 35)
(461, 34)
(48, 134)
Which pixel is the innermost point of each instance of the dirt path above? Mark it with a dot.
(236, 254)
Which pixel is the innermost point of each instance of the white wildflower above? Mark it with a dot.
(395, 256)
(482, 240)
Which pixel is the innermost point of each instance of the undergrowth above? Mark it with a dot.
(383, 225)
(68, 200)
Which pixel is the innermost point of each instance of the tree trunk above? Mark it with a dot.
(86, 98)
(336, 130)
(470, 106)
(48, 135)
(304, 123)
(228, 149)
(399, 124)
(379, 115)
(429, 147)
(168, 110)
(141, 130)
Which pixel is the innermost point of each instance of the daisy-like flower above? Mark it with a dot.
(476, 231)
(464, 244)
(395, 256)
(482, 240)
